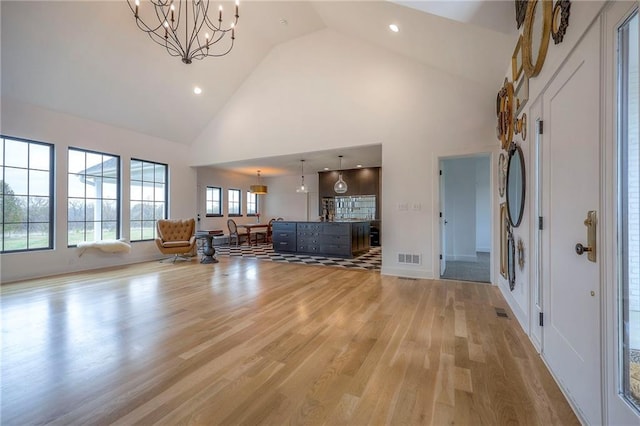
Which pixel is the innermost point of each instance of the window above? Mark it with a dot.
(93, 209)
(149, 194)
(26, 195)
(252, 204)
(629, 166)
(213, 201)
(234, 202)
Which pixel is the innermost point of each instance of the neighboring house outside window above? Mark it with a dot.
(213, 201)
(26, 195)
(148, 195)
(93, 208)
(235, 199)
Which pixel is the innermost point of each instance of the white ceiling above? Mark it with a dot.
(88, 59)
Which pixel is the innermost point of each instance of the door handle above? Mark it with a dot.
(590, 222)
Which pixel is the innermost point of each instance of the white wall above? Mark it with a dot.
(325, 91)
(29, 122)
(283, 200)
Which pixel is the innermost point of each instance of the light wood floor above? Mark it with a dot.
(248, 342)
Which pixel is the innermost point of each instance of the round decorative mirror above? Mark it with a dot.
(515, 186)
(536, 34)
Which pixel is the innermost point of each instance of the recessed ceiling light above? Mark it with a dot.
(326, 168)
(394, 28)
(359, 165)
(197, 90)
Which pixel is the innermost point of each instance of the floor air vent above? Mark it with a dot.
(501, 313)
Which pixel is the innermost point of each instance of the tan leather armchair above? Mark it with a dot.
(176, 236)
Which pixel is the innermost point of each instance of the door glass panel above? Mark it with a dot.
(629, 132)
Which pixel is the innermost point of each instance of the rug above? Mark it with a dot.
(370, 261)
(478, 271)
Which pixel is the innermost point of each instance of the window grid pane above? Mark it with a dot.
(148, 195)
(94, 196)
(234, 202)
(252, 203)
(213, 205)
(26, 194)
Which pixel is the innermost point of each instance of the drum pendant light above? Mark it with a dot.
(259, 188)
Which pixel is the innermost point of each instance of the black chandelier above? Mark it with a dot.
(189, 19)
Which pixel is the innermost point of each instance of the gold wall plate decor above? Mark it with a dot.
(502, 173)
(560, 20)
(505, 119)
(535, 36)
(516, 60)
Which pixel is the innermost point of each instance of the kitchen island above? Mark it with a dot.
(335, 239)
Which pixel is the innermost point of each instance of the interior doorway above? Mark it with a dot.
(465, 218)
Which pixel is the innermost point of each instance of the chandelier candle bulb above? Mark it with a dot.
(237, 4)
(220, 14)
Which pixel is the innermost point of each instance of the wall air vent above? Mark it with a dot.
(411, 259)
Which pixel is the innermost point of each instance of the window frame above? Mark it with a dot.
(118, 206)
(230, 201)
(256, 211)
(51, 196)
(166, 196)
(624, 250)
(206, 201)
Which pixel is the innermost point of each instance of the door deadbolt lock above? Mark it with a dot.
(580, 249)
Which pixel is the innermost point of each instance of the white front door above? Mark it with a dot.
(571, 188)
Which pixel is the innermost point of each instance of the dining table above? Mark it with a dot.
(251, 226)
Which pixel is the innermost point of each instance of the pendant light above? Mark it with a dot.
(341, 186)
(302, 188)
(259, 188)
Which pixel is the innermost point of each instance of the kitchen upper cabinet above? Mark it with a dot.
(365, 181)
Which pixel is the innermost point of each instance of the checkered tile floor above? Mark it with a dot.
(370, 261)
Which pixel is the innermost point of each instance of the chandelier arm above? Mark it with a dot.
(160, 40)
(197, 26)
(168, 37)
(139, 22)
(171, 42)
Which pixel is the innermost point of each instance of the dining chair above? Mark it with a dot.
(234, 232)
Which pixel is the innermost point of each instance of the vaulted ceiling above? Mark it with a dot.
(88, 58)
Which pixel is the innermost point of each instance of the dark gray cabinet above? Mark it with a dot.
(339, 239)
(283, 235)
